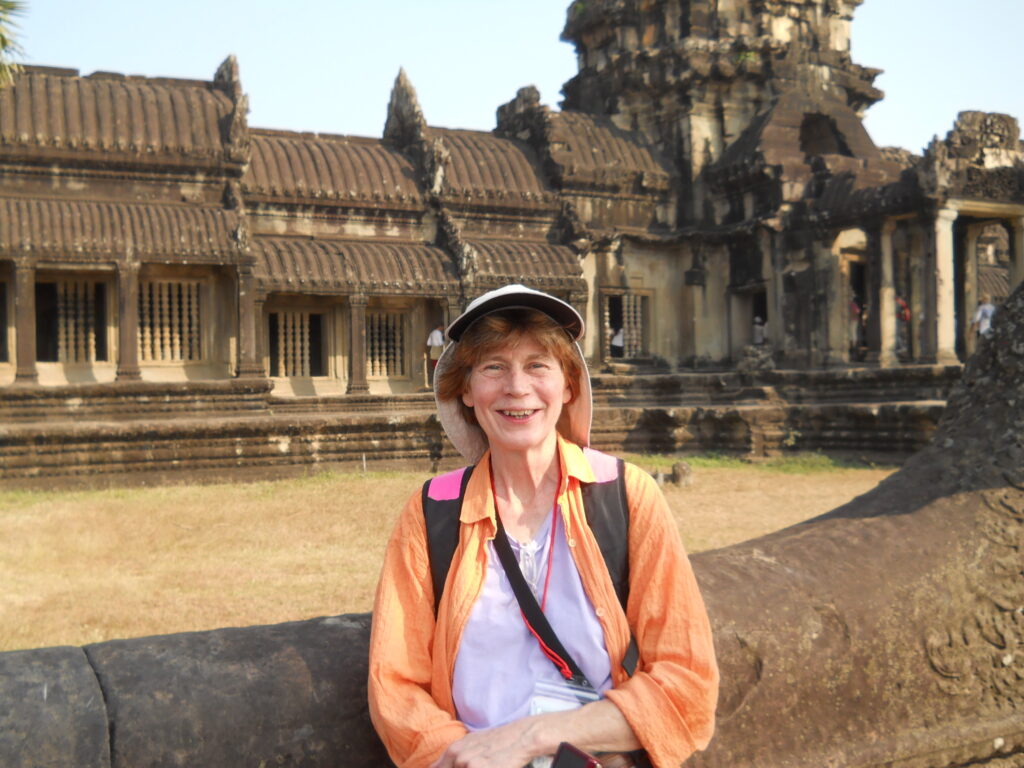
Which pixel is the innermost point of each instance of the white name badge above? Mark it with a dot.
(559, 697)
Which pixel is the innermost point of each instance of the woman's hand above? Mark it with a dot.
(596, 727)
(508, 746)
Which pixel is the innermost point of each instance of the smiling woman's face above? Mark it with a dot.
(517, 393)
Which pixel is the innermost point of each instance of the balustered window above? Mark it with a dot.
(71, 321)
(386, 344)
(4, 354)
(625, 320)
(296, 342)
(170, 321)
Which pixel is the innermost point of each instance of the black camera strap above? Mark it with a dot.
(535, 619)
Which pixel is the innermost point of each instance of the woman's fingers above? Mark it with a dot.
(503, 747)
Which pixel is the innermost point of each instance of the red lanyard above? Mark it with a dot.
(560, 662)
(551, 546)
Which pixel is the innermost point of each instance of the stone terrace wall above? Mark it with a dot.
(143, 432)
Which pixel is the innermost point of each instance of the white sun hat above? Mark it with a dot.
(574, 423)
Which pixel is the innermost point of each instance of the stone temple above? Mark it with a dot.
(706, 184)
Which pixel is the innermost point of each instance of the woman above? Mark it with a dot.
(471, 685)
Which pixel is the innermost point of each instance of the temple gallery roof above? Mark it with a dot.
(590, 151)
(325, 168)
(70, 228)
(324, 265)
(106, 113)
(485, 168)
(540, 263)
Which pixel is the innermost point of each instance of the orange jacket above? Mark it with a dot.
(670, 700)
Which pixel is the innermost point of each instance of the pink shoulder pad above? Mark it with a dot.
(447, 486)
(605, 467)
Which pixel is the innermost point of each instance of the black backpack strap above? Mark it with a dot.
(441, 510)
(607, 510)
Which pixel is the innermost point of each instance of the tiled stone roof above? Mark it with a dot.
(539, 264)
(994, 280)
(483, 168)
(308, 166)
(68, 228)
(591, 151)
(106, 113)
(346, 266)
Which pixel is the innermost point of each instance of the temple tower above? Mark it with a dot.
(693, 74)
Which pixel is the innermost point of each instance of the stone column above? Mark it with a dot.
(25, 324)
(835, 346)
(920, 260)
(249, 366)
(971, 288)
(945, 288)
(883, 315)
(357, 345)
(737, 318)
(579, 300)
(259, 302)
(128, 322)
(1016, 228)
(452, 310)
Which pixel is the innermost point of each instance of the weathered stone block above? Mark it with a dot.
(52, 713)
(286, 695)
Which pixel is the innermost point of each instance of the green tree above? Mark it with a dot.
(9, 48)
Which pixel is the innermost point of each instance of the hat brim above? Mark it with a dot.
(520, 297)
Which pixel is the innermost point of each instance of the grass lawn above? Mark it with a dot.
(87, 566)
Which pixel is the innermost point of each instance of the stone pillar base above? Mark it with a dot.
(129, 374)
(883, 359)
(251, 371)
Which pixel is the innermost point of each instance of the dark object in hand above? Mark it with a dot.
(569, 756)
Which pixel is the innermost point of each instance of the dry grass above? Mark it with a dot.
(89, 566)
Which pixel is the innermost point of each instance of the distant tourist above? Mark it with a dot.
(856, 319)
(759, 332)
(618, 343)
(435, 346)
(982, 324)
(524, 642)
(902, 324)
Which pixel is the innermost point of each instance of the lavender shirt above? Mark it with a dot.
(499, 661)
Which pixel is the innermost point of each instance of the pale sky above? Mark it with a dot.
(328, 65)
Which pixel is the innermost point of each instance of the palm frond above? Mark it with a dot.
(9, 47)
